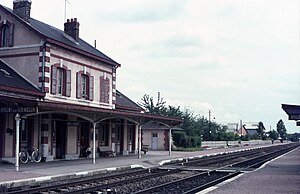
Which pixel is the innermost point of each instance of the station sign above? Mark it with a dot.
(23, 109)
(294, 117)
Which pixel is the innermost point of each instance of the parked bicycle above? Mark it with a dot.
(30, 154)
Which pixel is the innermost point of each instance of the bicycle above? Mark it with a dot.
(30, 154)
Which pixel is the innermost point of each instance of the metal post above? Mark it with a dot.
(17, 118)
(140, 141)
(94, 143)
(170, 141)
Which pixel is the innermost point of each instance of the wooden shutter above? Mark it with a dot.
(91, 87)
(78, 91)
(68, 84)
(53, 79)
(11, 35)
(101, 89)
(107, 90)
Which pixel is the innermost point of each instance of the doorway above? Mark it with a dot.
(154, 141)
(60, 133)
(84, 138)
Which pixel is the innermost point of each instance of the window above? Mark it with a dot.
(104, 89)
(6, 34)
(118, 132)
(130, 135)
(60, 80)
(103, 135)
(23, 131)
(85, 86)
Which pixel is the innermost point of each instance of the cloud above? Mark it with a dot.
(137, 11)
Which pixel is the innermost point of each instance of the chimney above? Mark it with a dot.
(72, 28)
(22, 9)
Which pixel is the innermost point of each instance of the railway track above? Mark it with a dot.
(181, 177)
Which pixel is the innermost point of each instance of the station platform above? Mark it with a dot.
(280, 175)
(63, 169)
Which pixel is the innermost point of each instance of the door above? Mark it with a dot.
(60, 139)
(154, 141)
(84, 138)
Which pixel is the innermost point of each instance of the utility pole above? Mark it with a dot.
(209, 124)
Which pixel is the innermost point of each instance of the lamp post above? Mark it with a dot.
(17, 118)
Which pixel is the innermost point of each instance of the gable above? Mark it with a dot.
(10, 80)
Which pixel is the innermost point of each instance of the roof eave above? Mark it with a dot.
(50, 40)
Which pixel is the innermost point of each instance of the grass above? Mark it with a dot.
(188, 149)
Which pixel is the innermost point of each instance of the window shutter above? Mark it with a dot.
(11, 35)
(53, 79)
(91, 85)
(107, 90)
(78, 85)
(101, 89)
(68, 84)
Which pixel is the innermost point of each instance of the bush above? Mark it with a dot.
(182, 140)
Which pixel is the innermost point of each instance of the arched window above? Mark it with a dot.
(6, 33)
(5, 36)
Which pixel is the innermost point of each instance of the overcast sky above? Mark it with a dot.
(238, 58)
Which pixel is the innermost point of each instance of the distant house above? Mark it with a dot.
(251, 128)
(232, 127)
(243, 128)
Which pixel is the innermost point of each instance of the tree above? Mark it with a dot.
(152, 108)
(273, 135)
(281, 129)
(261, 129)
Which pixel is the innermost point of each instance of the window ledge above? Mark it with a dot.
(60, 97)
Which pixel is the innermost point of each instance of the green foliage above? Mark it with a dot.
(261, 130)
(151, 107)
(281, 129)
(273, 135)
(182, 140)
(188, 149)
(196, 128)
(245, 138)
(294, 137)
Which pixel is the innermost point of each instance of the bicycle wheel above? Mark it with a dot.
(23, 157)
(36, 156)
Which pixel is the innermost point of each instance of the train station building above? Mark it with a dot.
(61, 93)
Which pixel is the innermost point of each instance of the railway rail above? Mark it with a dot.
(180, 177)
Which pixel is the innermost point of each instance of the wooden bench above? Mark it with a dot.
(104, 152)
(145, 148)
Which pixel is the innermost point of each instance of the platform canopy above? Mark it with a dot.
(293, 111)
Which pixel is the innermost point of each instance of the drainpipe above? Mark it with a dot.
(43, 67)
